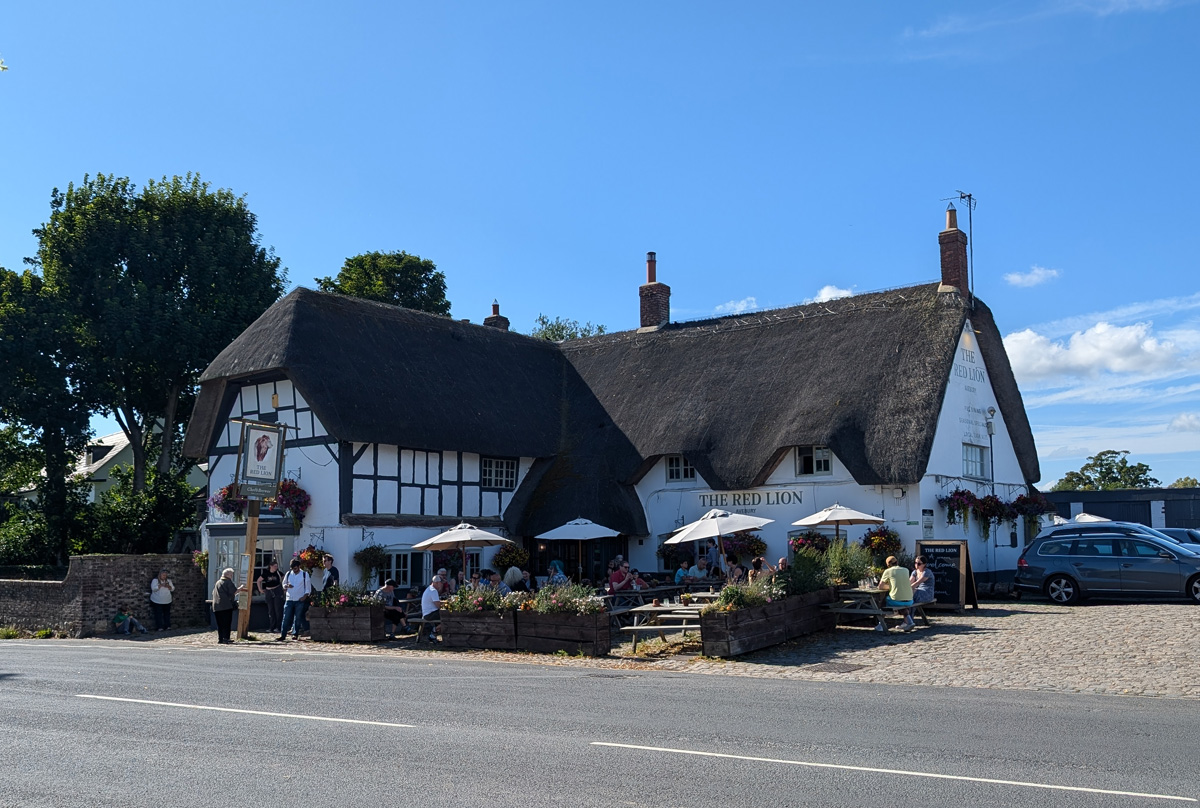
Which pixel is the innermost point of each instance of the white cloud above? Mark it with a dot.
(1140, 311)
(1185, 422)
(1103, 348)
(829, 292)
(1035, 276)
(737, 306)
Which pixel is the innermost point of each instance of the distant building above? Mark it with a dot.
(106, 453)
(1155, 507)
(408, 423)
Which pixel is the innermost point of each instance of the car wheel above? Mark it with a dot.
(1062, 590)
(1193, 589)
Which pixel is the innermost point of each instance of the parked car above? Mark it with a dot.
(1184, 535)
(1074, 561)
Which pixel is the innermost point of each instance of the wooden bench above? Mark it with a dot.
(660, 629)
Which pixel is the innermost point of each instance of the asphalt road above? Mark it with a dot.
(457, 733)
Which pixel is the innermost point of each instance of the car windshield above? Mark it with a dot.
(1149, 531)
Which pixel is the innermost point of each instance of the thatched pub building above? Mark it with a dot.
(407, 423)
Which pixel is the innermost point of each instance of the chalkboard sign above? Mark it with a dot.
(953, 578)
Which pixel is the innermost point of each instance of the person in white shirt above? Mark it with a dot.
(160, 601)
(297, 587)
(700, 570)
(431, 605)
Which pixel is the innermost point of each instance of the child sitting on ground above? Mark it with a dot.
(124, 622)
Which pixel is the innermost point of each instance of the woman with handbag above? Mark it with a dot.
(224, 602)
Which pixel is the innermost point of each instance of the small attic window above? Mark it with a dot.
(813, 460)
(96, 452)
(679, 470)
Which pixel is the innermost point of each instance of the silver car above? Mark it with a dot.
(1071, 562)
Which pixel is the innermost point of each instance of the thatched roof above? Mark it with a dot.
(864, 375)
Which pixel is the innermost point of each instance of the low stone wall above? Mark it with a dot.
(84, 602)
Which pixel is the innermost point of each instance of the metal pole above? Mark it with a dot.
(248, 566)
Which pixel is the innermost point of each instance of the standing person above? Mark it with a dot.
(330, 576)
(899, 591)
(160, 600)
(431, 606)
(713, 556)
(224, 602)
(270, 586)
(297, 588)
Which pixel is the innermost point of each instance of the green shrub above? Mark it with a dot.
(567, 599)
(847, 563)
(44, 634)
(9, 633)
(806, 573)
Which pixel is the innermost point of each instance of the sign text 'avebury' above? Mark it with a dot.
(741, 499)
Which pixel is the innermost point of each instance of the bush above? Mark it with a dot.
(567, 599)
(487, 599)
(741, 596)
(846, 564)
(806, 573)
(342, 597)
(142, 522)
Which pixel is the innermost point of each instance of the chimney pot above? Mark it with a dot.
(495, 307)
(951, 217)
(655, 298)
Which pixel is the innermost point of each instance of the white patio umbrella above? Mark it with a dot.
(837, 516)
(1087, 517)
(460, 537)
(715, 524)
(579, 530)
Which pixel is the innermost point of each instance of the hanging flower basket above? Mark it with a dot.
(293, 500)
(958, 506)
(225, 502)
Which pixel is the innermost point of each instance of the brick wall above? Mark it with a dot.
(84, 602)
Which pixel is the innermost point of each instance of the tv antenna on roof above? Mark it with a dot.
(970, 201)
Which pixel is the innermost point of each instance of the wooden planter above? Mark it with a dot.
(726, 634)
(586, 634)
(490, 630)
(348, 624)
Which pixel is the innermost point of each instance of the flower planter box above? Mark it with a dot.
(489, 630)
(726, 634)
(586, 634)
(349, 624)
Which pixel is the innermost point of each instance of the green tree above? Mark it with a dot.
(391, 277)
(41, 397)
(128, 521)
(560, 328)
(1185, 482)
(1107, 471)
(20, 461)
(155, 283)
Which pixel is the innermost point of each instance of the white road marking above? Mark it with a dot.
(896, 771)
(247, 712)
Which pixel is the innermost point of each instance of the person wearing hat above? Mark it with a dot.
(160, 600)
(270, 586)
(297, 587)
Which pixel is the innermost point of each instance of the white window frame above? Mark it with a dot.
(498, 473)
(822, 461)
(974, 467)
(679, 470)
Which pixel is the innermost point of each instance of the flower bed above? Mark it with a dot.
(479, 629)
(346, 624)
(729, 633)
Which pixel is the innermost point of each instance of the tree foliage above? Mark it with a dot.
(391, 277)
(1107, 471)
(129, 521)
(155, 283)
(1185, 482)
(561, 328)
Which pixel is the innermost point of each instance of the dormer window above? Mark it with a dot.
(679, 470)
(813, 460)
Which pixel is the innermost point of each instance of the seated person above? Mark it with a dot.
(700, 570)
(431, 606)
(922, 581)
(899, 591)
(495, 583)
(527, 583)
(757, 572)
(621, 579)
(683, 575)
(393, 615)
(639, 581)
(556, 575)
(125, 623)
(783, 565)
(737, 573)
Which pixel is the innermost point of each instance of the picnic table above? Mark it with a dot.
(651, 619)
(862, 602)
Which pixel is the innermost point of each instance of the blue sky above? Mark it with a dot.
(770, 155)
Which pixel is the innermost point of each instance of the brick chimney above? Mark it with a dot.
(496, 320)
(954, 255)
(656, 298)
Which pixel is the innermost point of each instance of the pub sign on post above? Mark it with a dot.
(260, 463)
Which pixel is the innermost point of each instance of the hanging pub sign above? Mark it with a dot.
(260, 462)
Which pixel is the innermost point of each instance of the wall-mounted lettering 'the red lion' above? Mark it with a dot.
(261, 447)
